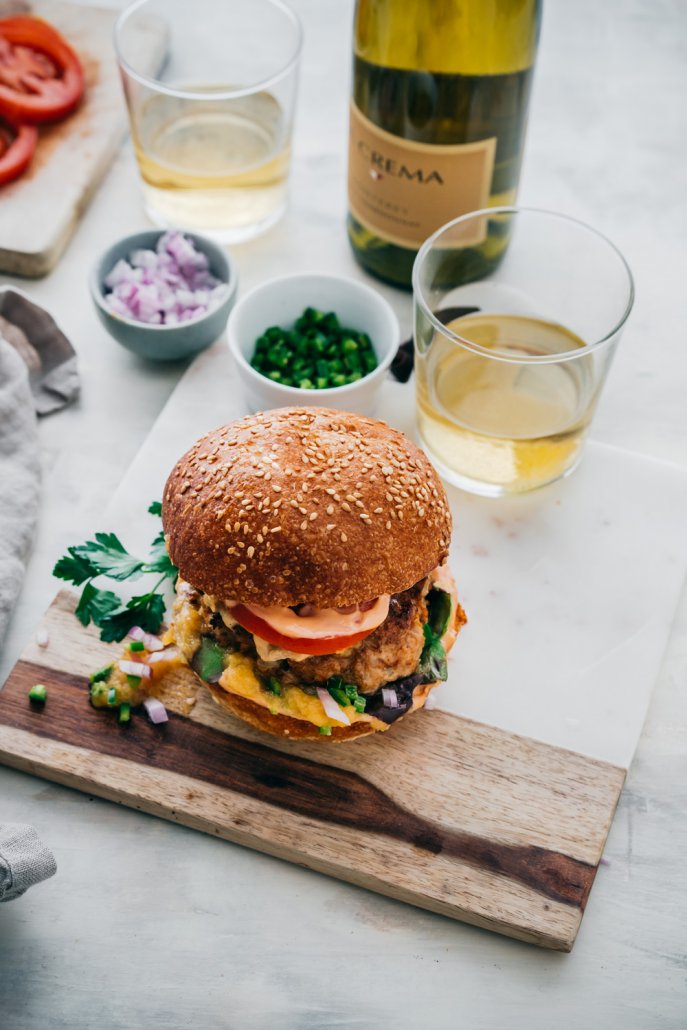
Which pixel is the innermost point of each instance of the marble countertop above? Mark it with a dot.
(151, 925)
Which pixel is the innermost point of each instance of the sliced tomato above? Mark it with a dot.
(299, 645)
(17, 145)
(41, 79)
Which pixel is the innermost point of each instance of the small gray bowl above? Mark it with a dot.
(164, 342)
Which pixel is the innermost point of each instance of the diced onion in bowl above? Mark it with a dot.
(390, 698)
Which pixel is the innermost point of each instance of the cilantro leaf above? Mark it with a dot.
(159, 560)
(108, 557)
(146, 611)
(75, 568)
(94, 605)
(155, 508)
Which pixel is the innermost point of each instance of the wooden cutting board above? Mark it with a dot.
(457, 817)
(40, 210)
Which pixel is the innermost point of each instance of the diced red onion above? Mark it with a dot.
(390, 697)
(330, 706)
(157, 712)
(149, 641)
(166, 655)
(166, 286)
(136, 669)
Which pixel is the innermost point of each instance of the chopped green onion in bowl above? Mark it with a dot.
(317, 353)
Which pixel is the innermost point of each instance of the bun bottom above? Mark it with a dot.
(300, 729)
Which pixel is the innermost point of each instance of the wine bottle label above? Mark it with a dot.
(403, 191)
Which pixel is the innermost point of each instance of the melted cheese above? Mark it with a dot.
(239, 678)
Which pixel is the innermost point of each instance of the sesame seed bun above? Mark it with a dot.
(305, 505)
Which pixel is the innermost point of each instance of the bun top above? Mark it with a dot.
(305, 505)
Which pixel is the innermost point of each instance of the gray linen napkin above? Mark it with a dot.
(24, 860)
(19, 476)
(48, 354)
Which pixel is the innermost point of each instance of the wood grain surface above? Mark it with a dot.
(448, 814)
(41, 209)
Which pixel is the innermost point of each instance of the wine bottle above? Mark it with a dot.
(437, 124)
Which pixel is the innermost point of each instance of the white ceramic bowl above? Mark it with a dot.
(280, 302)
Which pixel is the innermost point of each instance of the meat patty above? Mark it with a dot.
(389, 653)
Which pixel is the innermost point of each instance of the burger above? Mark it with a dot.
(313, 596)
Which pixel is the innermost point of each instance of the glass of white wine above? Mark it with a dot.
(511, 355)
(212, 128)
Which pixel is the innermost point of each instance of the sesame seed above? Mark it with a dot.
(260, 538)
(378, 511)
(313, 516)
(237, 526)
(365, 516)
(275, 529)
(304, 524)
(359, 504)
(330, 490)
(346, 506)
(251, 551)
(245, 528)
(303, 511)
(330, 509)
(388, 524)
(330, 526)
(293, 503)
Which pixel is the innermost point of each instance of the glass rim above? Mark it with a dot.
(227, 94)
(524, 359)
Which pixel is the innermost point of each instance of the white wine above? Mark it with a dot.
(438, 114)
(220, 166)
(506, 423)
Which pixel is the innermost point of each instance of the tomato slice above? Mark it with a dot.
(300, 645)
(41, 79)
(17, 145)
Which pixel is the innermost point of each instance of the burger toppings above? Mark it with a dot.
(375, 679)
(307, 630)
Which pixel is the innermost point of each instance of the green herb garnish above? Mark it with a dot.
(317, 354)
(137, 645)
(433, 664)
(38, 694)
(439, 610)
(106, 556)
(102, 675)
(112, 696)
(273, 685)
(326, 731)
(124, 712)
(345, 693)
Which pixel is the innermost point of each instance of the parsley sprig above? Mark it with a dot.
(107, 556)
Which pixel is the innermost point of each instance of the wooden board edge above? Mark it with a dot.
(562, 942)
